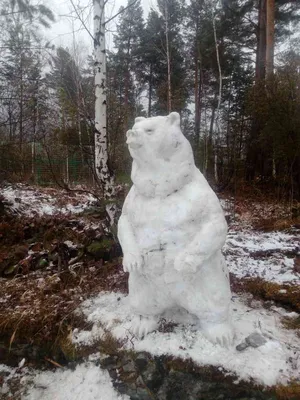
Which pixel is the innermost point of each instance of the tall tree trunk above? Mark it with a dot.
(169, 93)
(270, 31)
(197, 98)
(197, 94)
(252, 155)
(219, 100)
(101, 148)
(150, 91)
(260, 67)
(21, 105)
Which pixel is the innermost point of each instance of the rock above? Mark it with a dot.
(141, 361)
(183, 386)
(242, 346)
(142, 394)
(154, 374)
(255, 340)
(129, 367)
(109, 362)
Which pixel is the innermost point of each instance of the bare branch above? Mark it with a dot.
(81, 20)
(121, 11)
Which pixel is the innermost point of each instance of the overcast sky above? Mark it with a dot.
(61, 33)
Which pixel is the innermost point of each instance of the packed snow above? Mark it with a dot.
(270, 364)
(87, 381)
(171, 231)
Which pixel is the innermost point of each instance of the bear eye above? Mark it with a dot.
(149, 131)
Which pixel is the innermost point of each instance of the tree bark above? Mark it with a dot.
(198, 84)
(270, 33)
(260, 67)
(101, 148)
(169, 94)
(150, 91)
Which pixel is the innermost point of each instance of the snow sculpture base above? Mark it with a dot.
(171, 230)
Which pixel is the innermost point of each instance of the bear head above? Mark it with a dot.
(162, 157)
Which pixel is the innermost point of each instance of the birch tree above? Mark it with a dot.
(101, 151)
(101, 148)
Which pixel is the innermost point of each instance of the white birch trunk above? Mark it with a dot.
(101, 150)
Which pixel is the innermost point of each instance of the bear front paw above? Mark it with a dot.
(186, 262)
(132, 262)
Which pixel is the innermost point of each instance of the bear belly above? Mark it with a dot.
(168, 224)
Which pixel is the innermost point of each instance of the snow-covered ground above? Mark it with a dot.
(87, 381)
(269, 255)
(249, 253)
(31, 201)
(270, 364)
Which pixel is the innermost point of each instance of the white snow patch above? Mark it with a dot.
(87, 381)
(86, 337)
(269, 364)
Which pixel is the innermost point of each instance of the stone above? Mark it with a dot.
(129, 367)
(255, 340)
(242, 346)
(142, 394)
(153, 375)
(141, 361)
(109, 362)
(172, 230)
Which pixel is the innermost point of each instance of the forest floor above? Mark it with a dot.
(64, 311)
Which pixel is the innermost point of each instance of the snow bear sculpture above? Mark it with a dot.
(171, 230)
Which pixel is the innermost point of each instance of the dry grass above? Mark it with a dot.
(39, 307)
(291, 323)
(261, 209)
(290, 392)
(287, 296)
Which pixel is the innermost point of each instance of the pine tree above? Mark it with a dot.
(162, 67)
(128, 44)
(21, 68)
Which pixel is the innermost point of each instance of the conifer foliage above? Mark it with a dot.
(230, 68)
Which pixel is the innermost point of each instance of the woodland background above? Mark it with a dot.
(234, 82)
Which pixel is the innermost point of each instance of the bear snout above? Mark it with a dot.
(132, 136)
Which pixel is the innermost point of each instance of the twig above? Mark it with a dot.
(81, 20)
(53, 362)
(120, 12)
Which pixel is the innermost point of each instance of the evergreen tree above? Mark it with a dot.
(162, 66)
(125, 62)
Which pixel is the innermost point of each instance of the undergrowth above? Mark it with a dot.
(287, 296)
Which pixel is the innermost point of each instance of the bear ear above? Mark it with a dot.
(139, 119)
(174, 118)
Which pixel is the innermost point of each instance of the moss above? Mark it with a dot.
(98, 248)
